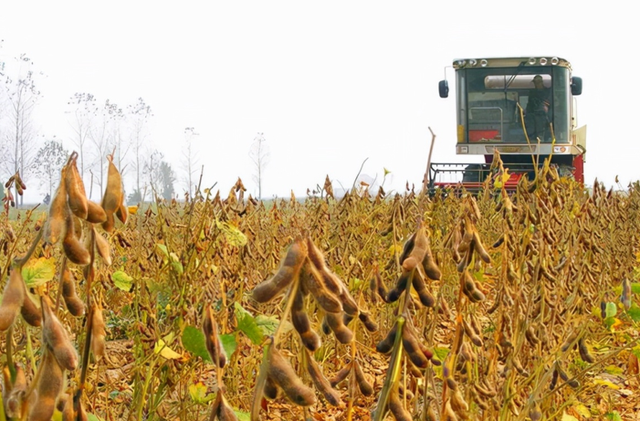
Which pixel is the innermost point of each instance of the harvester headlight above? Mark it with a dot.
(461, 63)
(543, 61)
(483, 63)
(532, 61)
(555, 61)
(472, 62)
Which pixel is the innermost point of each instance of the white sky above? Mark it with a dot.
(328, 83)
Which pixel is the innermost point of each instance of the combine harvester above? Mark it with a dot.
(523, 108)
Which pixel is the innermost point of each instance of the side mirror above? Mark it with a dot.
(443, 89)
(576, 86)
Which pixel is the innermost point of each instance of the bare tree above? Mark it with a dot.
(139, 115)
(151, 172)
(104, 137)
(189, 159)
(83, 111)
(259, 154)
(48, 163)
(19, 137)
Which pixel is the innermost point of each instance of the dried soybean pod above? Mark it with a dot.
(397, 409)
(625, 297)
(570, 341)
(584, 352)
(325, 298)
(288, 270)
(98, 332)
(122, 213)
(95, 213)
(74, 304)
(348, 302)
(449, 413)
(76, 194)
(458, 404)
(15, 398)
(386, 345)
(315, 255)
(419, 250)
(286, 378)
(215, 407)
(363, 384)
(212, 340)
(554, 378)
(407, 247)
(321, 383)
(475, 338)
(368, 322)
(342, 333)
(56, 338)
(113, 195)
(270, 389)
(103, 247)
(311, 340)
(301, 323)
(48, 388)
(65, 405)
(30, 311)
(420, 286)
(401, 284)
(380, 287)
(413, 348)
(12, 299)
(73, 248)
(465, 242)
(479, 248)
(58, 209)
(340, 375)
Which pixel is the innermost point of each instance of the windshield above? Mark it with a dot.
(499, 104)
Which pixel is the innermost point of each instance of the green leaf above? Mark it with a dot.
(441, 353)
(229, 344)
(267, 325)
(242, 416)
(634, 313)
(613, 369)
(635, 287)
(611, 310)
(163, 249)
(194, 341)
(38, 271)
(122, 280)
(614, 416)
(91, 417)
(248, 325)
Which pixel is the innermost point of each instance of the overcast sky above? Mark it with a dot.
(330, 83)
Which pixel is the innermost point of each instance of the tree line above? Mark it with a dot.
(98, 127)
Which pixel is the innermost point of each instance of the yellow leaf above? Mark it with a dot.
(38, 271)
(582, 410)
(132, 210)
(567, 417)
(616, 323)
(607, 383)
(233, 235)
(168, 353)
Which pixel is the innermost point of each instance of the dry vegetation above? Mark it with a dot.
(492, 306)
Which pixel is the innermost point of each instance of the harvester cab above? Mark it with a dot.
(524, 108)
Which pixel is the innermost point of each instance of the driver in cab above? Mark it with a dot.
(537, 117)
